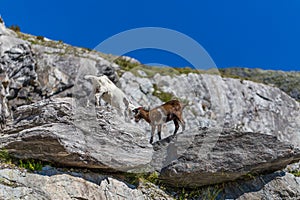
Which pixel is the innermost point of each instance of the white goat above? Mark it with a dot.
(105, 89)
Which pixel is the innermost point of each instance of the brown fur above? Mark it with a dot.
(169, 111)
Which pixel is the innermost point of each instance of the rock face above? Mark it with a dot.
(33, 69)
(286, 81)
(46, 131)
(214, 101)
(211, 156)
(19, 185)
(16, 185)
(286, 187)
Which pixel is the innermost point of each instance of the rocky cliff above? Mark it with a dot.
(289, 82)
(240, 135)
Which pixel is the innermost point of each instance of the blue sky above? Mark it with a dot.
(256, 34)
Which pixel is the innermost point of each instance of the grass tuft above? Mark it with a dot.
(4, 156)
(163, 96)
(296, 173)
(31, 164)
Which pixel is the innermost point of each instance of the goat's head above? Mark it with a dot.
(137, 114)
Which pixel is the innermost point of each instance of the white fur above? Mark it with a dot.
(105, 89)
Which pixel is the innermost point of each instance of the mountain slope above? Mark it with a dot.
(289, 82)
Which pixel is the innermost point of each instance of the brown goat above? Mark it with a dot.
(171, 110)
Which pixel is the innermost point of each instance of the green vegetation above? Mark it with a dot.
(166, 96)
(186, 70)
(4, 156)
(62, 48)
(150, 71)
(163, 96)
(208, 193)
(153, 178)
(31, 164)
(136, 178)
(296, 173)
(126, 64)
(211, 193)
(15, 28)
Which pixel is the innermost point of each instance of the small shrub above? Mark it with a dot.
(4, 156)
(183, 194)
(209, 193)
(31, 164)
(153, 178)
(136, 178)
(15, 28)
(296, 173)
(40, 38)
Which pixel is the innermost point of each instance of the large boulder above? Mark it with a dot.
(48, 130)
(210, 156)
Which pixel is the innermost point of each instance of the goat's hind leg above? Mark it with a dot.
(159, 132)
(176, 126)
(152, 133)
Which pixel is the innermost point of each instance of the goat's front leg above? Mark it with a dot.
(182, 122)
(159, 131)
(152, 133)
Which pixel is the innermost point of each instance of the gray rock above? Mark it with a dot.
(4, 31)
(153, 192)
(33, 186)
(230, 103)
(47, 131)
(274, 186)
(40, 69)
(211, 156)
(278, 185)
(18, 64)
(139, 90)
